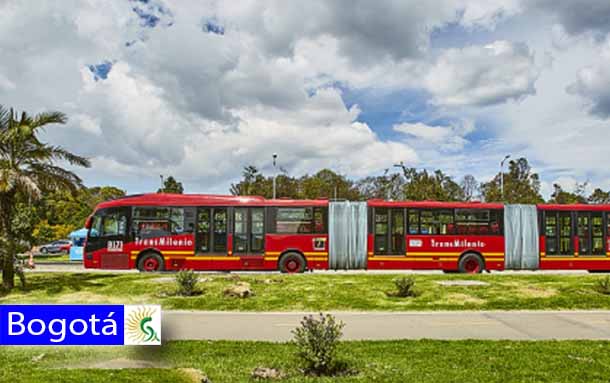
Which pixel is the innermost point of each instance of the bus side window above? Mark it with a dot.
(96, 226)
(114, 224)
(413, 216)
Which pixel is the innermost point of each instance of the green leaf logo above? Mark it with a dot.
(139, 328)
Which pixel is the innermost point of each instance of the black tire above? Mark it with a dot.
(292, 263)
(44, 250)
(151, 262)
(471, 263)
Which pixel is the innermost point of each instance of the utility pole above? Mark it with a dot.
(502, 176)
(274, 173)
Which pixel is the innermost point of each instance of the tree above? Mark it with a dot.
(561, 196)
(170, 185)
(328, 184)
(470, 188)
(599, 197)
(61, 210)
(521, 185)
(324, 184)
(388, 186)
(27, 169)
(421, 185)
(253, 183)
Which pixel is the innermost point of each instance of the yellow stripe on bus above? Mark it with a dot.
(221, 258)
(582, 258)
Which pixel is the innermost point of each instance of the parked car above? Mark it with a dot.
(59, 246)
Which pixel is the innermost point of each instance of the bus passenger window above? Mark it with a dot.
(177, 220)
(203, 230)
(413, 221)
(445, 220)
(597, 234)
(297, 220)
(220, 230)
(241, 231)
(428, 226)
(381, 231)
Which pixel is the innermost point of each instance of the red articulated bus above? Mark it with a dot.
(155, 232)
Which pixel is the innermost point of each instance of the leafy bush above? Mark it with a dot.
(405, 287)
(603, 285)
(316, 341)
(186, 283)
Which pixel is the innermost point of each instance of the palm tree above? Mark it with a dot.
(28, 167)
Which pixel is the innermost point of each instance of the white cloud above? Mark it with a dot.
(593, 84)
(485, 13)
(5, 83)
(446, 138)
(201, 105)
(483, 75)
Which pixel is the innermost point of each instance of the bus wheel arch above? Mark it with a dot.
(471, 262)
(150, 261)
(292, 262)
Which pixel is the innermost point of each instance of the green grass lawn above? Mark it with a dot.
(387, 361)
(319, 292)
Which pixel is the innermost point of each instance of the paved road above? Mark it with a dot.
(515, 325)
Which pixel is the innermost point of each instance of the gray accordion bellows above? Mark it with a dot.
(347, 232)
(521, 237)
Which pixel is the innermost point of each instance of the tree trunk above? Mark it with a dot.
(7, 204)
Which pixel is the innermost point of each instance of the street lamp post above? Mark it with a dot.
(274, 172)
(162, 186)
(404, 172)
(502, 175)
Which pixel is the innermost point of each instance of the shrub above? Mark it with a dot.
(405, 287)
(316, 341)
(186, 283)
(603, 285)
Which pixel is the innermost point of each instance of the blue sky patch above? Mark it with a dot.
(100, 71)
(382, 109)
(151, 14)
(212, 26)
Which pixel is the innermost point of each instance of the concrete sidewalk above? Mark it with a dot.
(277, 326)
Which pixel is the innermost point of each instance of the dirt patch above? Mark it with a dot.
(117, 364)
(89, 297)
(463, 299)
(462, 283)
(192, 374)
(536, 292)
(159, 280)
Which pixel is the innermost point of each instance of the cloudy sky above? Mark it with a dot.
(199, 89)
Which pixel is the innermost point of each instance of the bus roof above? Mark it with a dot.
(167, 199)
(574, 207)
(435, 204)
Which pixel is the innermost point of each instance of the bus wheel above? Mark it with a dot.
(292, 263)
(151, 262)
(471, 263)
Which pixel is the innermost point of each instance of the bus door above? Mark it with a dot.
(590, 233)
(389, 231)
(249, 231)
(558, 232)
(108, 234)
(211, 233)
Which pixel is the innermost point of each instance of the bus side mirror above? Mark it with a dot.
(88, 223)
